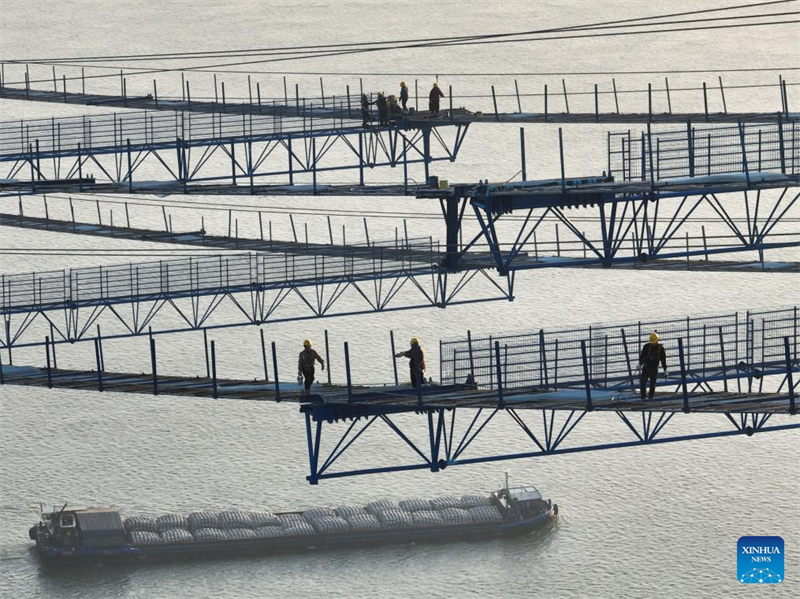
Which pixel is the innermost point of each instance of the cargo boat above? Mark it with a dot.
(100, 535)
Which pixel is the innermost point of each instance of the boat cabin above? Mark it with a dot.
(519, 502)
(75, 528)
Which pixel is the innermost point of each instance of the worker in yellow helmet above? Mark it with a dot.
(305, 365)
(652, 353)
(404, 96)
(416, 362)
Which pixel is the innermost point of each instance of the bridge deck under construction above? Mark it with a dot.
(432, 257)
(399, 398)
(350, 105)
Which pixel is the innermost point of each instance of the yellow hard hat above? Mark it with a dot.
(654, 337)
(402, 84)
(435, 85)
(307, 343)
(414, 341)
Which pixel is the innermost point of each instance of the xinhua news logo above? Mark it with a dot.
(760, 560)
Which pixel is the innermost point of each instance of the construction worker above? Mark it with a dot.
(433, 99)
(652, 353)
(394, 109)
(404, 96)
(365, 115)
(416, 369)
(383, 109)
(305, 364)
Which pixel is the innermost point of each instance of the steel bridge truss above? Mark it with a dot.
(250, 289)
(633, 226)
(194, 149)
(547, 382)
(449, 440)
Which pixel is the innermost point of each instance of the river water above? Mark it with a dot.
(659, 521)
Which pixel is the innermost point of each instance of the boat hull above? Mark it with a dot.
(224, 549)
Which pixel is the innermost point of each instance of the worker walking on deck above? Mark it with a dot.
(404, 96)
(652, 353)
(365, 115)
(433, 99)
(305, 365)
(416, 362)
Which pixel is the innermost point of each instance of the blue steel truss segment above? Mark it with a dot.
(650, 438)
(335, 453)
(403, 436)
(231, 273)
(70, 313)
(466, 442)
(526, 429)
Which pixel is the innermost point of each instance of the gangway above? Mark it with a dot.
(542, 383)
(186, 294)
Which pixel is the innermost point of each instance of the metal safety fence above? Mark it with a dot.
(749, 149)
(208, 275)
(606, 356)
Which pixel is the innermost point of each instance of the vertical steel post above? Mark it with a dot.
(519, 104)
(522, 153)
(722, 359)
(99, 365)
(53, 345)
(405, 165)
(586, 378)
(314, 164)
(566, 98)
(501, 402)
(130, 167)
(684, 389)
(650, 153)
(705, 100)
(545, 102)
(214, 367)
(666, 87)
(649, 102)
(561, 159)
(275, 372)
(494, 101)
(394, 359)
(347, 372)
(722, 93)
(690, 146)
(744, 152)
(616, 99)
(596, 104)
(789, 378)
(781, 147)
(450, 96)
(416, 362)
(361, 159)
(471, 360)
(47, 351)
(327, 357)
(264, 356)
(153, 363)
(205, 351)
